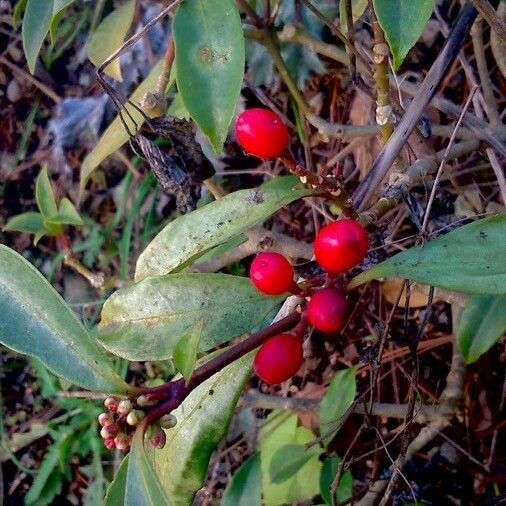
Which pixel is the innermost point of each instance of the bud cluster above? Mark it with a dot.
(118, 423)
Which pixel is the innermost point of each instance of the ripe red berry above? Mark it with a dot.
(327, 310)
(341, 245)
(271, 273)
(279, 358)
(261, 132)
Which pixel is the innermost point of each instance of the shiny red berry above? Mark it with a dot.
(341, 245)
(279, 358)
(271, 273)
(109, 443)
(327, 310)
(262, 133)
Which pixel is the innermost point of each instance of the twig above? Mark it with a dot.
(28, 77)
(443, 161)
(384, 114)
(488, 12)
(351, 37)
(425, 92)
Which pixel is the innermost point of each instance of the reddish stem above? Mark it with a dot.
(176, 391)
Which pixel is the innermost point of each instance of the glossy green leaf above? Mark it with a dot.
(403, 21)
(189, 236)
(280, 430)
(245, 487)
(109, 36)
(482, 324)
(115, 495)
(58, 9)
(202, 421)
(44, 195)
(209, 44)
(288, 460)
(36, 22)
(337, 399)
(344, 489)
(36, 321)
(469, 259)
(146, 320)
(185, 351)
(143, 488)
(115, 135)
(31, 223)
(66, 215)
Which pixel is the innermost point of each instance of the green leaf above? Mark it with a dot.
(146, 320)
(66, 215)
(482, 324)
(403, 21)
(185, 351)
(36, 321)
(143, 488)
(278, 431)
(115, 135)
(191, 235)
(358, 7)
(44, 195)
(203, 421)
(36, 22)
(109, 36)
(469, 259)
(288, 460)
(209, 44)
(115, 495)
(18, 12)
(337, 399)
(245, 487)
(345, 487)
(31, 223)
(58, 8)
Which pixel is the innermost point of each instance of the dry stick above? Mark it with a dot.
(475, 128)
(443, 161)
(425, 92)
(488, 12)
(28, 77)
(351, 38)
(489, 99)
(333, 28)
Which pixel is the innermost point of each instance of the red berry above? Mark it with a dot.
(327, 310)
(271, 273)
(279, 358)
(261, 132)
(341, 245)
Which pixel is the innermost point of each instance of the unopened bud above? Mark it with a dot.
(109, 431)
(111, 403)
(134, 417)
(109, 443)
(158, 438)
(105, 419)
(168, 421)
(124, 407)
(122, 442)
(146, 401)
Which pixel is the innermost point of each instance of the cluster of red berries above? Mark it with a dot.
(119, 421)
(338, 247)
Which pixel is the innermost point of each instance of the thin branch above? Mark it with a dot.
(488, 12)
(426, 91)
